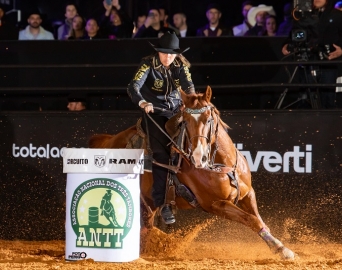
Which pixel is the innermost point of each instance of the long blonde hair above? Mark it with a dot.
(183, 60)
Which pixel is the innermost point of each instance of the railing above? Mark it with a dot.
(238, 76)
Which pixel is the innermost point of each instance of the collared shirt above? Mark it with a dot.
(27, 35)
(160, 86)
(241, 29)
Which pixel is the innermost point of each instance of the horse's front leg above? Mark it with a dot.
(228, 210)
(147, 214)
(249, 204)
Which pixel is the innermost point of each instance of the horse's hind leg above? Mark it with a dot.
(228, 210)
(249, 204)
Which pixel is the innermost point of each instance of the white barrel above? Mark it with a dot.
(102, 209)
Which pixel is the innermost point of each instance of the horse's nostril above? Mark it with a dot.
(204, 159)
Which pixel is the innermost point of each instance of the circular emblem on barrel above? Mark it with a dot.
(101, 213)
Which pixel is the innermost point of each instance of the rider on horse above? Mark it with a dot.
(155, 89)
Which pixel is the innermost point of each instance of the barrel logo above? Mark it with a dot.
(101, 213)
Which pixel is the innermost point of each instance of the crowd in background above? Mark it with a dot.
(115, 23)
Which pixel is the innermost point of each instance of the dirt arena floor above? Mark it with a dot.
(214, 244)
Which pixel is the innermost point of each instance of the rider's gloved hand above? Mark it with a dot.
(147, 107)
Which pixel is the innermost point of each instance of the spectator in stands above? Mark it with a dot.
(256, 17)
(214, 28)
(92, 29)
(152, 28)
(34, 31)
(164, 19)
(286, 26)
(116, 23)
(241, 29)
(270, 28)
(77, 102)
(77, 31)
(179, 21)
(64, 29)
(338, 5)
(138, 23)
(7, 30)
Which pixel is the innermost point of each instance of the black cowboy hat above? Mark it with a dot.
(169, 43)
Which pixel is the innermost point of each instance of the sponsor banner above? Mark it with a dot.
(32, 151)
(103, 160)
(272, 161)
(102, 217)
(299, 160)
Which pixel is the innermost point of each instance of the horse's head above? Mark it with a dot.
(201, 119)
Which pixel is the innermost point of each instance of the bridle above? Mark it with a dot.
(211, 165)
(213, 131)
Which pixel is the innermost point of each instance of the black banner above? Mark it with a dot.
(295, 159)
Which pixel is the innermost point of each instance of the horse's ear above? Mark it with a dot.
(208, 93)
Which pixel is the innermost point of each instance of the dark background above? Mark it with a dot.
(47, 71)
(245, 73)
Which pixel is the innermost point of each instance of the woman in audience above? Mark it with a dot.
(77, 31)
(92, 29)
(116, 23)
(270, 28)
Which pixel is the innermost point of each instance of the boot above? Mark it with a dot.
(167, 215)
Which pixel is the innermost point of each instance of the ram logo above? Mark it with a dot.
(100, 161)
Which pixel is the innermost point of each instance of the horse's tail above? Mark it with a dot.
(99, 140)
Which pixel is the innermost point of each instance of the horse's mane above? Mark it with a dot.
(195, 101)
(224, 125)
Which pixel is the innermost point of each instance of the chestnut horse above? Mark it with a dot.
(207, 169)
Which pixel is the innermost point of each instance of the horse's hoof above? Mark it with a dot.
(286, 254)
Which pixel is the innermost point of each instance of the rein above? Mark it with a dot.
(213, 167)
(180, 150)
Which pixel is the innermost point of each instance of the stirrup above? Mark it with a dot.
(167, 215)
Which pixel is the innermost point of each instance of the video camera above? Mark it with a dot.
(303, 36)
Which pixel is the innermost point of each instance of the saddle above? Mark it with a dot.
(174, 186)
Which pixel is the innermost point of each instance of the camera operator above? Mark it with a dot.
(324, 31)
